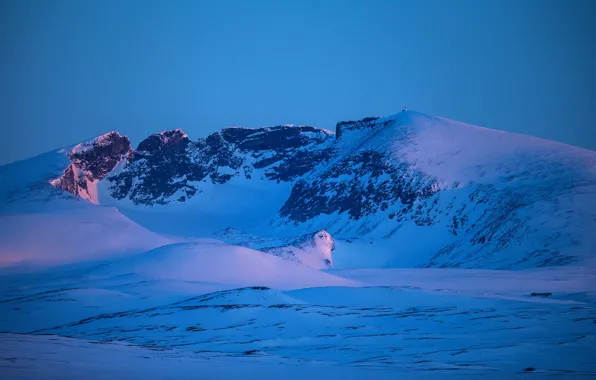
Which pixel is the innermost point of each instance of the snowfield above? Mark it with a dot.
(415, 322)
(480, 268)
(71, 236)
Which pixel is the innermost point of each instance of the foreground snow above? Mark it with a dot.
(377, 323)
(43, 357)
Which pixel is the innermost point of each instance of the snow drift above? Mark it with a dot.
(216, 262)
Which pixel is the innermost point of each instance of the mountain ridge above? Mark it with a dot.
(435, 192)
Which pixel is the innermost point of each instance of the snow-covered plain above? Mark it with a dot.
(273, 317)
(97, 292)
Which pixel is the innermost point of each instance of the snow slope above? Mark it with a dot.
(34, 357)
(40, 225)
(216, 262)
(419, 323)
(441, 193)
(60, 237)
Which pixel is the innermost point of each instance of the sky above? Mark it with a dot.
(72, 70)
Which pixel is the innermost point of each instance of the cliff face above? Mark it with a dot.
(168, 167)
(91, 162)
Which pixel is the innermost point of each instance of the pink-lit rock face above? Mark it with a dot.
(91, 162)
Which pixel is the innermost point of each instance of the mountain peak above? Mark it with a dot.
(91, 162)
(164, 140)
(106, 139)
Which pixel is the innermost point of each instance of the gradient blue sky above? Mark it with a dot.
(71, 70)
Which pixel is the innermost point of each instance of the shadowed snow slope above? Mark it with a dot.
(220, 263)
(42, 225)
(70, 236)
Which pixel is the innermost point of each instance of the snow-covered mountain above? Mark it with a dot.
(423, 190)
(290, 251)
(448, 193)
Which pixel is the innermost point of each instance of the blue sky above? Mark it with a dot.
(75, 69)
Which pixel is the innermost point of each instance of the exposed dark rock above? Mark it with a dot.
(160, 163)
(169, 163)
(544, 295)
(92, 161)
(360, 184)
(342, 126)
